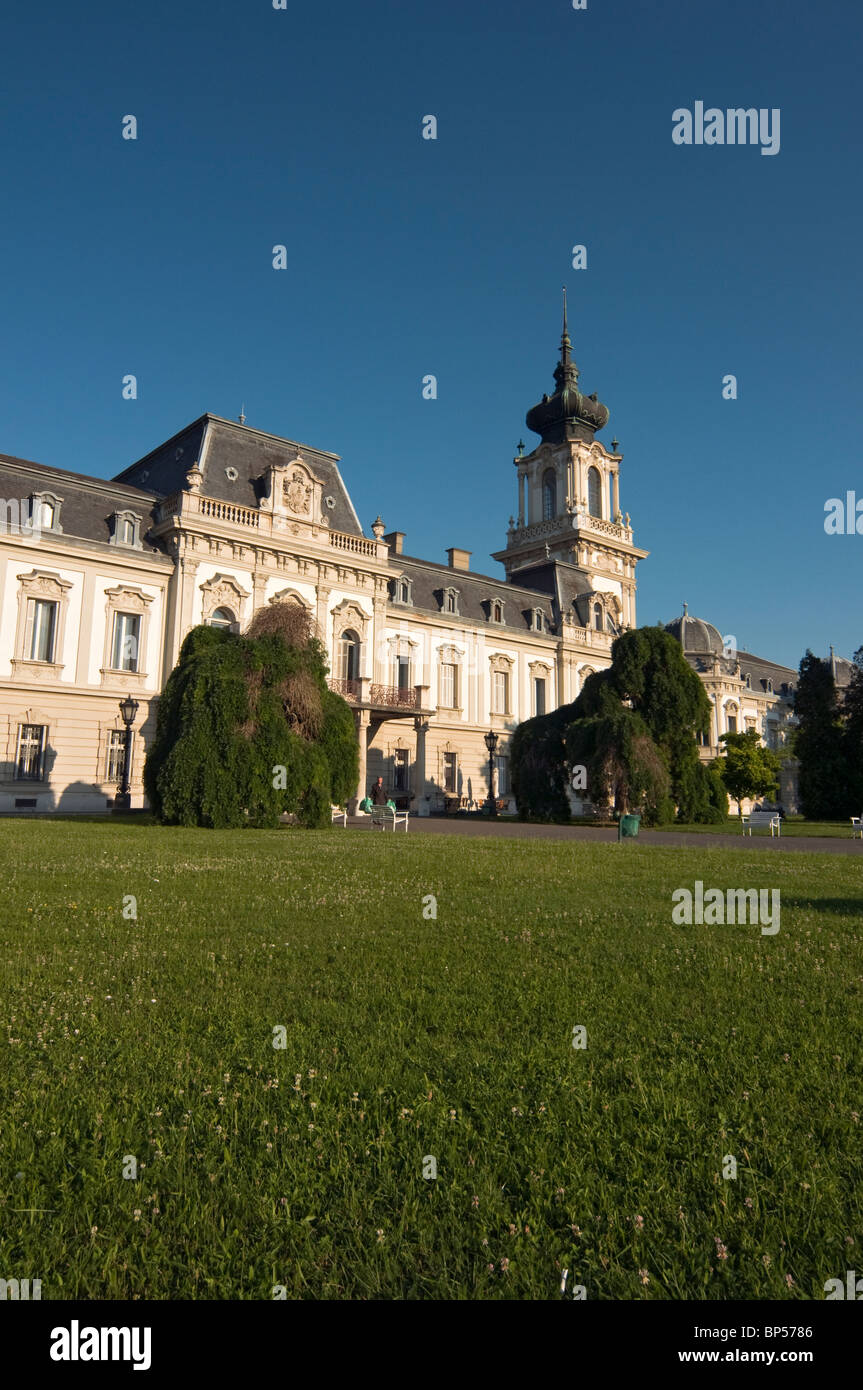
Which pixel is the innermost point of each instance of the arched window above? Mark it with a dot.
(497, 613)
(594, 492)
(549, 495)
(349, 656)
(597, 616)
(748, 682)
(222, 618)
(403, 589)
(450, 601)
(769, 687)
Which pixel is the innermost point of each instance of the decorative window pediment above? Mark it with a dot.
(290, 596)
(402, 589)
(293, 490)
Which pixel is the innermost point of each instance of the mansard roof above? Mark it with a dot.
(217, 446)
(88, 503)
(429, 579)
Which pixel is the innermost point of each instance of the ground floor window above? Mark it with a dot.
(502, 766)
(30, 757)
(450, 772)
(400, 770)
(116, 755)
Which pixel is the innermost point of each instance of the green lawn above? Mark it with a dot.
(409, 1037)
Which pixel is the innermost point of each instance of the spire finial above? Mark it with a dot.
(565, 343)
(242, 415)
(686, 610)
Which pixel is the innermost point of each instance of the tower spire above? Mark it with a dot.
(565, 344)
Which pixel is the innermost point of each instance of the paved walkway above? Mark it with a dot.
(520, 830)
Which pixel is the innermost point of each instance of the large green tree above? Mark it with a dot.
(748, 768)
(538, 765)
(624, 769)
(650, 675)
(634, 725)
(825, 793)
(247, 729)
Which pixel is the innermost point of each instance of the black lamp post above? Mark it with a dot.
(491, 741)
(128, 710)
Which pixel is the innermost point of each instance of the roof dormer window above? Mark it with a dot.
(44, 511)
(449, 602)
(125, 529)
(402, 590)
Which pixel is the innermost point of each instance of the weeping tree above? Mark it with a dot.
(248, 729)
(624, 769)
(633, 728)
(538, 766)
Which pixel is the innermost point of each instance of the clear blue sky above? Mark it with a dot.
(406, 257)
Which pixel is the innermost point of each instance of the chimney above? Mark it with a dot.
(395, 540)
(458, 559)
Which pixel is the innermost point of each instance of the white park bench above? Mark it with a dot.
(856, 827)
(763, 819)
(338, 814)
(385, 815)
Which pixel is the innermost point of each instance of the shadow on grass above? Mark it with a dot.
(842, 907)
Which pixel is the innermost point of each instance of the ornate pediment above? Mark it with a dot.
(293, 491)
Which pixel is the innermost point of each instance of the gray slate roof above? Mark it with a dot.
(215, 445)
(475, 591)
(87, 503)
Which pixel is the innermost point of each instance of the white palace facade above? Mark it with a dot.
(100, 581)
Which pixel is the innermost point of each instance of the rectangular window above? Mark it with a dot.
(732, 723)
(42, 514)
(30, 759)
(400, 770)
(403, 671)
(41, 629)
(539, 695)
(447, 685)
(116, 755)
(124, 647)
(450, 772)
(502, 766)
(127, 534)
(500, 692)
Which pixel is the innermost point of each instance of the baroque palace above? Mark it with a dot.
(100, 581)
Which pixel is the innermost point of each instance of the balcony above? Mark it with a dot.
(186, 505)
(392, 700)
(394, 697)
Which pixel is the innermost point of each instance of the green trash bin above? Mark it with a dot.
(627, 827)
